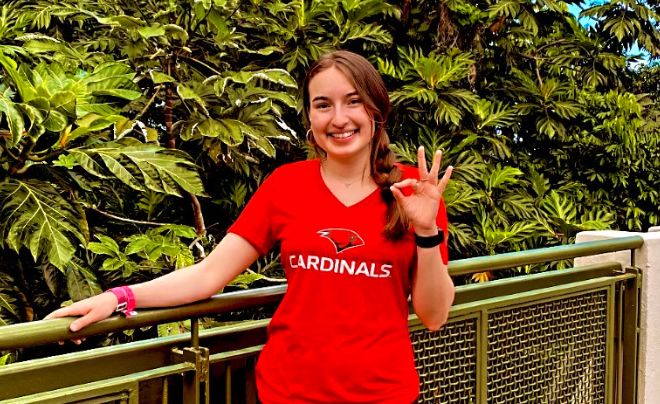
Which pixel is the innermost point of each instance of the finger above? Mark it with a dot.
(410, 182)
(78, 324)
(421, 163)
(445, 179)
(398, 195)
(84, 321)
(54, 314)
(69, 311)
(435, 168)
(72, 311)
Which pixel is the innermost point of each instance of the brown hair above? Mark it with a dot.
(371, 88)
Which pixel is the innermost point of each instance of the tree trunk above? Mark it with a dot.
(200, 227)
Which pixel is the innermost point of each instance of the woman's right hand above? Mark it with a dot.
(91, 310)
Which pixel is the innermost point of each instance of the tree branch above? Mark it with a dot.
(200, 228)
(269, 279)
(148, 104)
(192, 59)
(47, 156)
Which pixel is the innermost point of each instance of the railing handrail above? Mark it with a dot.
(48, 331)
(545, 254)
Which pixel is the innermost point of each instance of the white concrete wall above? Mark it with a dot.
(647, 258)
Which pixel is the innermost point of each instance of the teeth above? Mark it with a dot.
(343, 135)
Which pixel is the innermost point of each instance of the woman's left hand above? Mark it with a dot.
(421, 207)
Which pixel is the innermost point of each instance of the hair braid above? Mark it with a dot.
(385, 173)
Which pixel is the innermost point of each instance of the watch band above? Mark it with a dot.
(430, 241)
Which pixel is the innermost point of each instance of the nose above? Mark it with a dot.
(340, 117)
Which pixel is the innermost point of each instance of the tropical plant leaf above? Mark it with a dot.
(34, 215)
(560, 207)
(175, 328)
(20, 78)
(7, 301)
(159, 77)
(276, 76)
(135, 164)
(245, 279)
(499, 176)
(481, 277)
(4, 359)
(493, 114)
(14, 119)
(81, 282)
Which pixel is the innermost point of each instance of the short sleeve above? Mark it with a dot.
(442, 222)
(256, 222)
(441, 217)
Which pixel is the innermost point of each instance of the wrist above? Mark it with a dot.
(426, 231)
(430, 241)
(125, 300)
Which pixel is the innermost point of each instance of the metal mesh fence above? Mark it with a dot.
(543, 352)
(552, 352)
(447, 363)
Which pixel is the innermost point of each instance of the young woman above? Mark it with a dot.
(357, 233)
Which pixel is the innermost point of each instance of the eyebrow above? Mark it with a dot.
(324, 98)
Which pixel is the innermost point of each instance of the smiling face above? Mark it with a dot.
(339, 120)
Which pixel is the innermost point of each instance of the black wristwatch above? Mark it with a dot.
(430, 241)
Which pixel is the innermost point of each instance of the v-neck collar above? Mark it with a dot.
(334, 197)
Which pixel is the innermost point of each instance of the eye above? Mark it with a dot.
(355, 100)
(321, 105)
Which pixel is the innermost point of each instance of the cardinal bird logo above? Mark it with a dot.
(342, 239)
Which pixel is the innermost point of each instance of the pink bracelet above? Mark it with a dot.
(125, 300)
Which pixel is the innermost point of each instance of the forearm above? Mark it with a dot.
(179, 287)
(196, 282)
(432, 288)
(199, 281)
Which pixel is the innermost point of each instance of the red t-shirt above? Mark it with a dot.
(340, 335)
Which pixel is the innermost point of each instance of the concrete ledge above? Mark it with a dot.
(619, 256)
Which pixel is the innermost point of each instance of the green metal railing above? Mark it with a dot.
(555, 337)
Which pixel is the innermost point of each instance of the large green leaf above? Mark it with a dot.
(277, 76)
(81, 282)
(229, 131)
(55, 122)
(493, 114)
(14, 119)
(65, 100)
(35, 216)
(159, 77)
(134, 163)
(7, 301)
(113, 79)
(151, 31)
(20, 78)
(499, 176)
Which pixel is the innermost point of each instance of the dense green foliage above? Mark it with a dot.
(133, 132)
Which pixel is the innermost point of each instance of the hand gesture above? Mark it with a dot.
(421, 207)
(92, 310)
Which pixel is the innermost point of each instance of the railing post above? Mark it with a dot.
(199, 357)
(647, 260)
